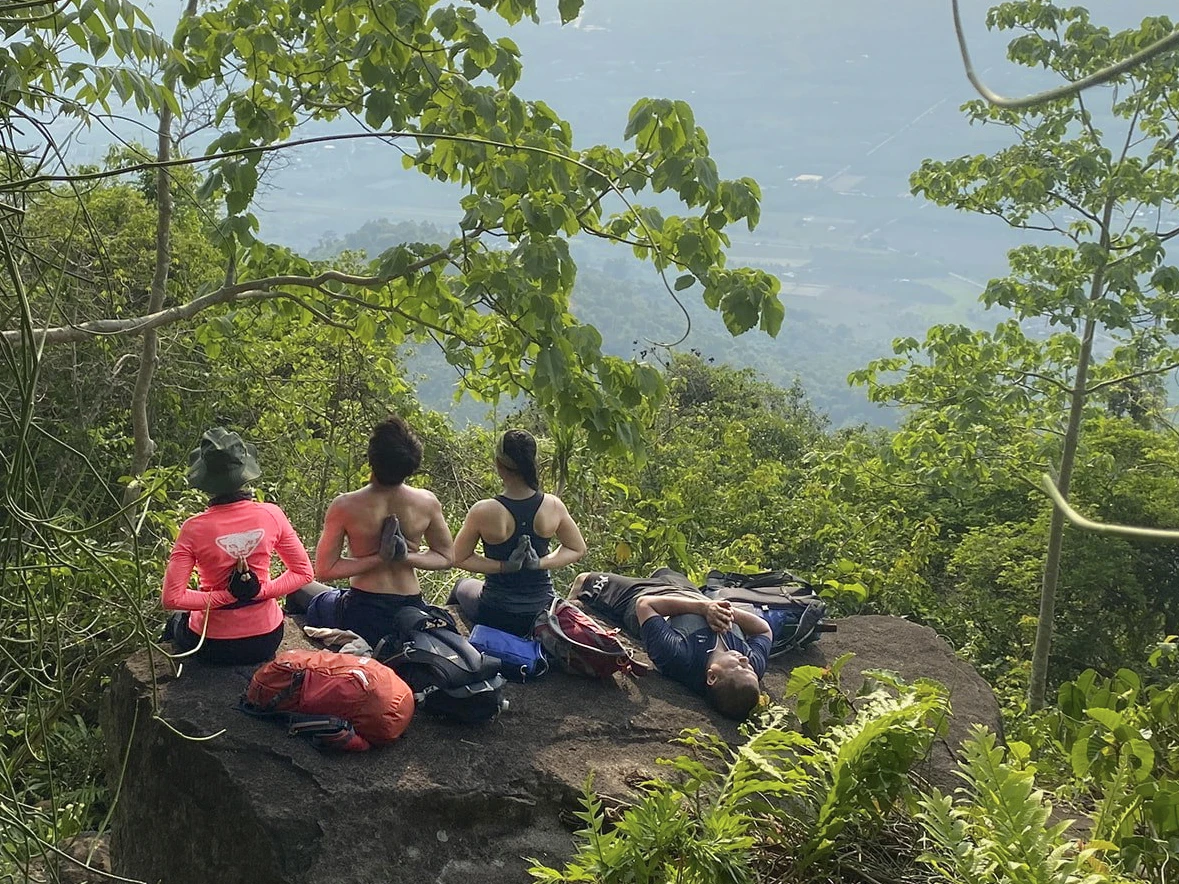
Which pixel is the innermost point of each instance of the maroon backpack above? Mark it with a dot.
(580, 645)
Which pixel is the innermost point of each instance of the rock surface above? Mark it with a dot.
(446, 803)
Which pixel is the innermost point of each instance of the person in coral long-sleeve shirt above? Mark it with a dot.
(230, 546)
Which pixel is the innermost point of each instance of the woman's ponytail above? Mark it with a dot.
(516, 451)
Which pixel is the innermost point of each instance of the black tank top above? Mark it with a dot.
(522, 592)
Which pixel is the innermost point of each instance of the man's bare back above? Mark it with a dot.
(357, 516)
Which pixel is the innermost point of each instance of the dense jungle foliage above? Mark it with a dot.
(140, 308)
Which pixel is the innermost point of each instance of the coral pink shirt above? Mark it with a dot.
(211, 542)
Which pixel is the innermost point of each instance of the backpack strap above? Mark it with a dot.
(271, 707)
(769, 596)
(753, 581)
(324, 731)
(391, 647)
(635, 667)
(411, 619)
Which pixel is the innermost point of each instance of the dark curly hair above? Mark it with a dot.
(394, 452)
(516, 451)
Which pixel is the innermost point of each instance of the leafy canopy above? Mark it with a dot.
(496, 298)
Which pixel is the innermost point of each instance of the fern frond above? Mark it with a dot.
(996, 830)
(1117, 811)
(861, 768)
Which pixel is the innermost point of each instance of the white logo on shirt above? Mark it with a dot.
(243, 543)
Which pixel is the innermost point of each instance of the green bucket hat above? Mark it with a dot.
(223, 463)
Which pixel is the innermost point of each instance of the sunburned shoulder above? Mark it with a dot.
(349, 499)
(364, 499)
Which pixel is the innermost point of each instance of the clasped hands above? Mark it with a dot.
(523, 557)
(394, 547)
(244, 583)
(719, 615)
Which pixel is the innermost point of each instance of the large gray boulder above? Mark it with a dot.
(445, 803)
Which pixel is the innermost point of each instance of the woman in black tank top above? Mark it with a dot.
(517, 585)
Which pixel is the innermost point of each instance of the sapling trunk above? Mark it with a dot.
(1038, 685)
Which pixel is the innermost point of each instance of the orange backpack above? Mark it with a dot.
(341, 700)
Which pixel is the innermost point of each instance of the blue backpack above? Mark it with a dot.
(521, 659)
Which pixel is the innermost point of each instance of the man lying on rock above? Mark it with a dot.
(712, 647)
(384, 523)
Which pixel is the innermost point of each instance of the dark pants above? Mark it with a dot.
(371, 615)
(468, 595)
(306, 599)
(223, 651)
(615, 597)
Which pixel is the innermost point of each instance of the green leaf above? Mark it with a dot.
(773, 312)
(856, 589)
(366, 328)
(1164, 810)
(705, 170)
(1144, 753)
(640, 117)
(800, 677)
(1108, 718)
(1079, 757)
(569, 9)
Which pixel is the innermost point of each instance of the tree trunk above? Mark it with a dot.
(1038, 685)
(145, 446)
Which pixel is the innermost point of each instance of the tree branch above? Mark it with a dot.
(145, 446)
(1104, 75)
(1064, 388)
(1073, 205)
(260, 289)
(24, 183)
(28, 4)
(314, 311)
(1129, 377)
(1080, 521)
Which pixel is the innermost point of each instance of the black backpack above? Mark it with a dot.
(447, 674)
(788, 603)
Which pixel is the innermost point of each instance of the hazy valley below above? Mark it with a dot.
(829, 107)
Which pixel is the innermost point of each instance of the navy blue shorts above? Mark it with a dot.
(371, 615)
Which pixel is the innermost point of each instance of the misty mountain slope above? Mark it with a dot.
(829, 106)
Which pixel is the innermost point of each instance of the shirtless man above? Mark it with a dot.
(384, 523)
